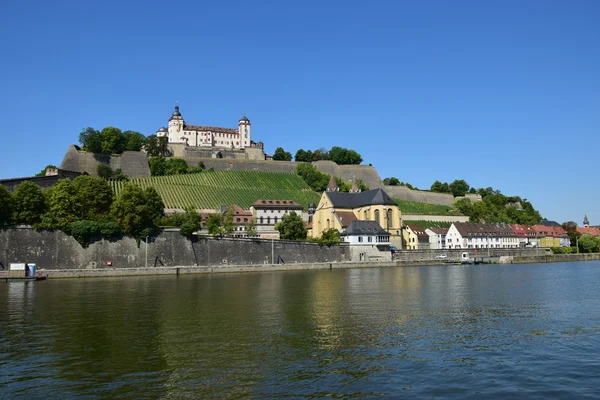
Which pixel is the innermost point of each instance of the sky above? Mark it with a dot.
(499, 93)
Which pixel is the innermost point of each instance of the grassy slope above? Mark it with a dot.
(213, 189)
(413, 207)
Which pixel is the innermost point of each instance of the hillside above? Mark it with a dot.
(213, 189)
(413, 207)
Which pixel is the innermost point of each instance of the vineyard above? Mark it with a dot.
(413, 207)
(429, 224)
(214, 189)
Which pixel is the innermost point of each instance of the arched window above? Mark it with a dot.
(377, 216)
(390, 218)
(366, 214)
(328, 223)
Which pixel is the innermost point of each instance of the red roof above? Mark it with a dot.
(589, 231)
(417, 230)
(345, 218)
(277, 204)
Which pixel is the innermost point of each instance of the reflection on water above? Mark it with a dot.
(519, 331)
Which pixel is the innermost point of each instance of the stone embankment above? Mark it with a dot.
(550, 258)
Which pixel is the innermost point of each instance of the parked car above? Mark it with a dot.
(442, 257)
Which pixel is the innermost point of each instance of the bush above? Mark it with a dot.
(563, 250)
(86, 231)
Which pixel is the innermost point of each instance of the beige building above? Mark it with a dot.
(338, 209)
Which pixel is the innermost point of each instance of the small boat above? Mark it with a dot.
(38, 276)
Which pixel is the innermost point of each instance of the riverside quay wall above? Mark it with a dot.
(56, 250)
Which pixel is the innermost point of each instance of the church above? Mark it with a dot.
(206, 136)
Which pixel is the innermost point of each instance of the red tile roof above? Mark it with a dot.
(589, 231)
(345, 218)
(290, 204)
(417, 230)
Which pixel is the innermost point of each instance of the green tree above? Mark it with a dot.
(291, 227)
(104, 171)
(95, 196)
(64, 206)
(393, 181)
(282, 155)
(133, 141)
(250, 227)
(43, 172)
(29, 203)
(112, 140)
(330, 236)
(158, 166)
(300, 156)
(588, 244)
(316, 180)
(459, 187)
(341, 156)
(6, 205)
(440, 187)
(570, 228)
(90, 140)
(157, 146)
(137, 211)
(221, 224)
(192, 222)
(176, 166)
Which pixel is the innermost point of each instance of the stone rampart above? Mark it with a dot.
(455, 254)
(135, 164)
(132, 163)
(55, 250)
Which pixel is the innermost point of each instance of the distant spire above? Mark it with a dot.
(586, 222)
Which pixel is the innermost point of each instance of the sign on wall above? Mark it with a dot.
(17, 267)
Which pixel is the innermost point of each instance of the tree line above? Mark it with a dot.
(318, 181)
(84, 208)
(338, 155)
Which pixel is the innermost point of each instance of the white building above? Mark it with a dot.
(437, 237)
(462, 235)
(206, 136)
(366, 233)
(267, 213)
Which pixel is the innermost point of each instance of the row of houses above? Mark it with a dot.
(463, 235)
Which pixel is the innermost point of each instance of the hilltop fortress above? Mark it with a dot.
(233, 149)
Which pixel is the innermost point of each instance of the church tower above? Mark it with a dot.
(244, 132)
(175, 129)
(586, 222)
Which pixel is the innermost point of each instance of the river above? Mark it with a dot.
(493, 331)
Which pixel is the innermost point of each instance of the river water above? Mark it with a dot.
(492, 331)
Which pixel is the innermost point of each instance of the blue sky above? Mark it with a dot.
(499, 93)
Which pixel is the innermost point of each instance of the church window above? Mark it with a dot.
(377, 216)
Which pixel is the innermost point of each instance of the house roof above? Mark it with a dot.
(439, 231)
(237, 210)
(496, 230)
(355, 200)
(365, 228)
(417, 230)
(589, 231)
(345, 218)
(287, 204)
(545, 222)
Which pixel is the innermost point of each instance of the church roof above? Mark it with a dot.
(365, 228)
(354, 200)
(332, 186)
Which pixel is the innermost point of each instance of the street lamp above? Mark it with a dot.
(146, 251)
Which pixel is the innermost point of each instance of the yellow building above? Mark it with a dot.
(415, 238)
(338, 210)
